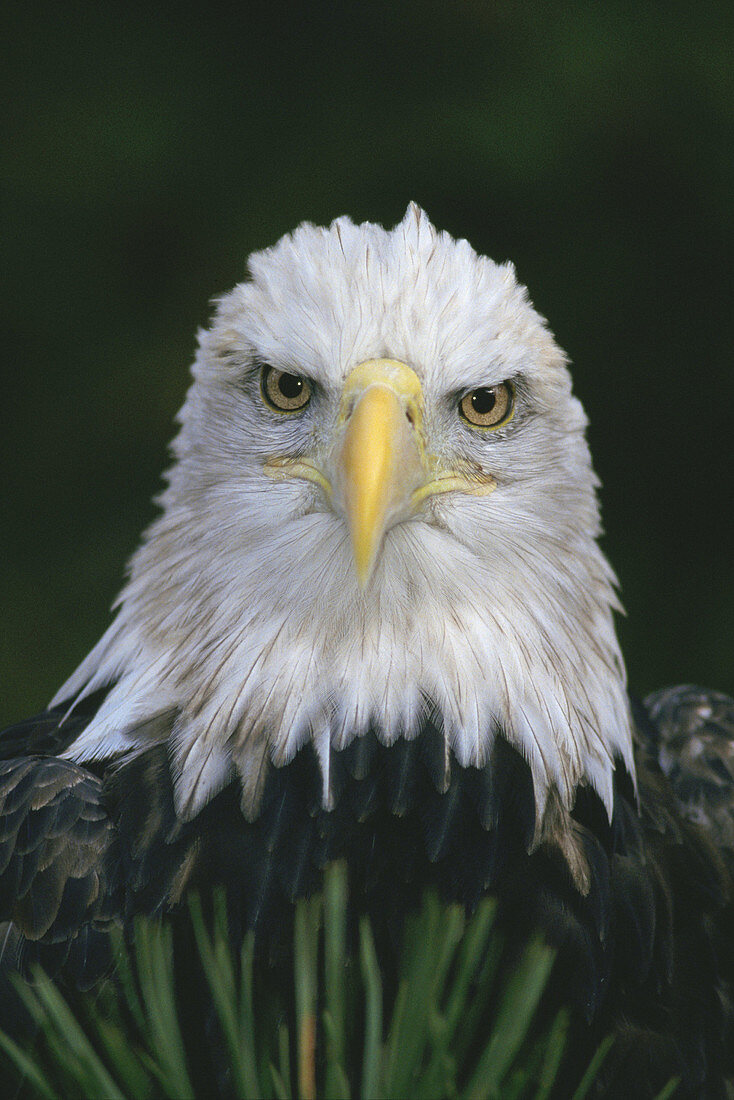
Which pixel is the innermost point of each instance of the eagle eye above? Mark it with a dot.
(283, 391)
(488, 406)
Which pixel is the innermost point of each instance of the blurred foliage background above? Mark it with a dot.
(149, 148)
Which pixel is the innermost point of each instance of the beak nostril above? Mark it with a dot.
(410, 417)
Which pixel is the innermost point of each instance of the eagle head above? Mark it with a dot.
(381, 512)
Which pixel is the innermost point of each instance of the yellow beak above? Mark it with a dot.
(381, 462)
(381, 470)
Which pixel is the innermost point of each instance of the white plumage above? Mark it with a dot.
(244, 614)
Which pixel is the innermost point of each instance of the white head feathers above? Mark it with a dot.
(242, 616)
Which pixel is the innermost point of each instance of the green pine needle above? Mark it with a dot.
(334, 1040)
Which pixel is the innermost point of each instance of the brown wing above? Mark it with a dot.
(56, 900)
(54, 842)
(695, 749)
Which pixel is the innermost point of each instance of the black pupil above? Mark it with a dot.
(290, 385)
(483, 401)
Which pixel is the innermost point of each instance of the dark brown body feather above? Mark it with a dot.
(645, 952)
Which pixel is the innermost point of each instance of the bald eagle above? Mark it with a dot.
(373, 622)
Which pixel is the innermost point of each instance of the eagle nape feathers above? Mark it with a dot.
(372, 623)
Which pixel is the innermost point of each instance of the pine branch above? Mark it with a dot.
(333, 1040)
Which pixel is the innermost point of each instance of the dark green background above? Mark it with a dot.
(149, 149)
